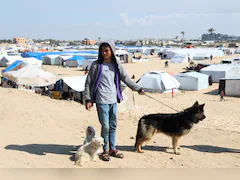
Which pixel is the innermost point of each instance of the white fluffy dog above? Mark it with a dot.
(91, 148)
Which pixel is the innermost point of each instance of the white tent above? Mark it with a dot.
(158, 81)
(192, 81)
(139, 60)
(230, 86)
(33, 61)
(120, 52)
(219, 71)
(77, 83)
(179, 59)
(31, 75)
(237, 51)
(201, 56)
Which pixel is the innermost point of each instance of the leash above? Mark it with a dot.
(160, 102)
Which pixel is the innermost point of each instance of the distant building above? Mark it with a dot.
(219, 37)
(19, 40)
(88, 42)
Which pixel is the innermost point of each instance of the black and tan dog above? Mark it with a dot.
(174, 125)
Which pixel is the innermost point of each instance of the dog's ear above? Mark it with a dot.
(196, 103)
(202, 106)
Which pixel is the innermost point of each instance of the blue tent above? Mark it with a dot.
(75, 61)
(14, 66)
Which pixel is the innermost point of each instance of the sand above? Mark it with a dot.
(40, 132)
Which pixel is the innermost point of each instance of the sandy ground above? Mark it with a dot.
(40, 132)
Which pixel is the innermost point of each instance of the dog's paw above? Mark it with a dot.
(94, 159)
(177, 153)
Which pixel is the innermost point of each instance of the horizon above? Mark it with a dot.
(124, 20)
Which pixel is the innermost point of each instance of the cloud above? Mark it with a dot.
(149, 19)
(125, 19)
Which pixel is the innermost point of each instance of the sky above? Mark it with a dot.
(111, 19)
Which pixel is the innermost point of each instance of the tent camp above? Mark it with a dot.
(158, 81)
(219, 71)
(230, 86)
(74, 61)
(192, 81)
(179, 59)
(31, 75)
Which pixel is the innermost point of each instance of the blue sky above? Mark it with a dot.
(125, 19)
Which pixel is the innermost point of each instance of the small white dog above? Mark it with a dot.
(90, 134)
(90, 148)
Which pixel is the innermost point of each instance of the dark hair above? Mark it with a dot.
(100, 56)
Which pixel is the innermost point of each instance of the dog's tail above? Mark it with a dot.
(145, 130)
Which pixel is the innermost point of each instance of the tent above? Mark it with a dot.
(201, 56)
(52, 60)
(219, 71)
(139, 60)
(237, 51)
(87, 63)
(31, 75)
(33, 61)
(77, 83)
(14, 66)
(158, 81)
(236, 60)
(120, 52)
(192, 81)
(179, 59)
(74, 61)
(230, 86)
(3, 62)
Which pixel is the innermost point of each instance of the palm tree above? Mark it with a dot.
(211, 30)
(183, 33)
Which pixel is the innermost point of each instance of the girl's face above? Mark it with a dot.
(106, 52)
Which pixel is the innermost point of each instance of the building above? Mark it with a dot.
(219, 37)
(88, 42)
(19, 40)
